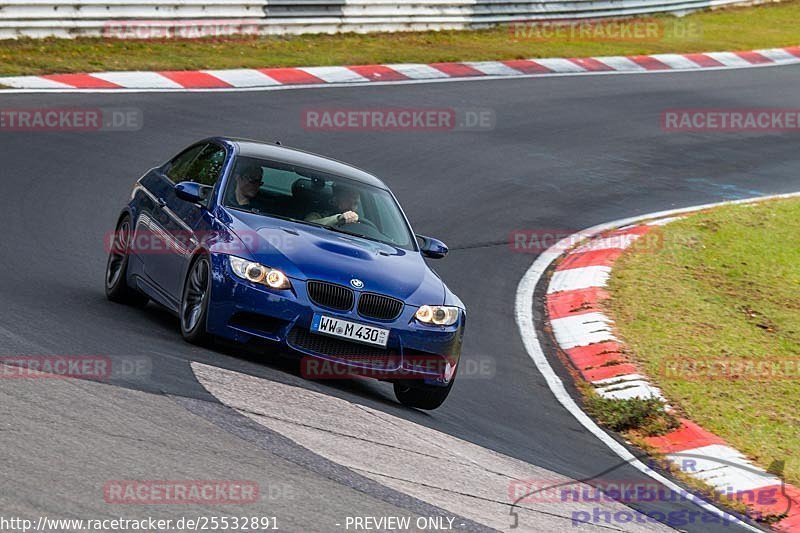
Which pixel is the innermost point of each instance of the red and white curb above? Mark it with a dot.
(585, 334)
(276, 78)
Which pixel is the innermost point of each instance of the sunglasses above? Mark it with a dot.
(253, 179)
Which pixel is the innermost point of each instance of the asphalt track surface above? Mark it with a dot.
(564, 154)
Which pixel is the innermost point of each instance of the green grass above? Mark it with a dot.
(764, 26)
(645, 417)
(725, 286)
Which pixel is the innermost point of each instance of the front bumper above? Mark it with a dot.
(242, 312)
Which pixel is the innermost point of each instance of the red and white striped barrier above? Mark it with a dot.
(316, 76)
(584, 332)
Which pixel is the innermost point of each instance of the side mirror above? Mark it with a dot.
(191, 191)
(433, 248)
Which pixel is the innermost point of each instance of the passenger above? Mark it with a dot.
(248, 183)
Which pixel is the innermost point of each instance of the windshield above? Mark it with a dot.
(303, 195)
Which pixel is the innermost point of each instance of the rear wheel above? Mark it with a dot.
(117, 289)
(422, 396)
(194, 303)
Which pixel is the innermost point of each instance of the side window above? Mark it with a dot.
(207, 167)
(179, 166)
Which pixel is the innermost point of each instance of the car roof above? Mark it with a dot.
(283, 154)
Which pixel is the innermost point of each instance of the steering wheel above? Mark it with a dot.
(369, 229)
(368, 222)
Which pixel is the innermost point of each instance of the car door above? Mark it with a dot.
(172, 220)
(151, 238)
(192, 219)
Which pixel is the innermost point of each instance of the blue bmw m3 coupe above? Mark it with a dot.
(258, 243)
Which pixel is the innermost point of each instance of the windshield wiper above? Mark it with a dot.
(340, 230)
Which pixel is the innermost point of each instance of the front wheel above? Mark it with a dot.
(422, 396)
(194, 303)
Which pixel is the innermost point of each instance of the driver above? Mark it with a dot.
(248, 180)
(342, 208)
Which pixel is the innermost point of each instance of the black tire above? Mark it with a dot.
(117, 289)
(427, 397)
(194, 301)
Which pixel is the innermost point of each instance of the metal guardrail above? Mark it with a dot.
(159, 18)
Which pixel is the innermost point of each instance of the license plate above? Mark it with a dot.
(344, 329)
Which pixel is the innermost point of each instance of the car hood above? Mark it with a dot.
(307, 252)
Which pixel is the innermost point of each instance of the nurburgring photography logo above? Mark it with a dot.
(71, 119)
(594, 496)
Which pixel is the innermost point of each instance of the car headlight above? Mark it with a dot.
(441, 315)
(258, 273)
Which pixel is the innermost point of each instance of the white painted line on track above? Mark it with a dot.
(523, 312)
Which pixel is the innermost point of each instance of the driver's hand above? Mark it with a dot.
(348, 217)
